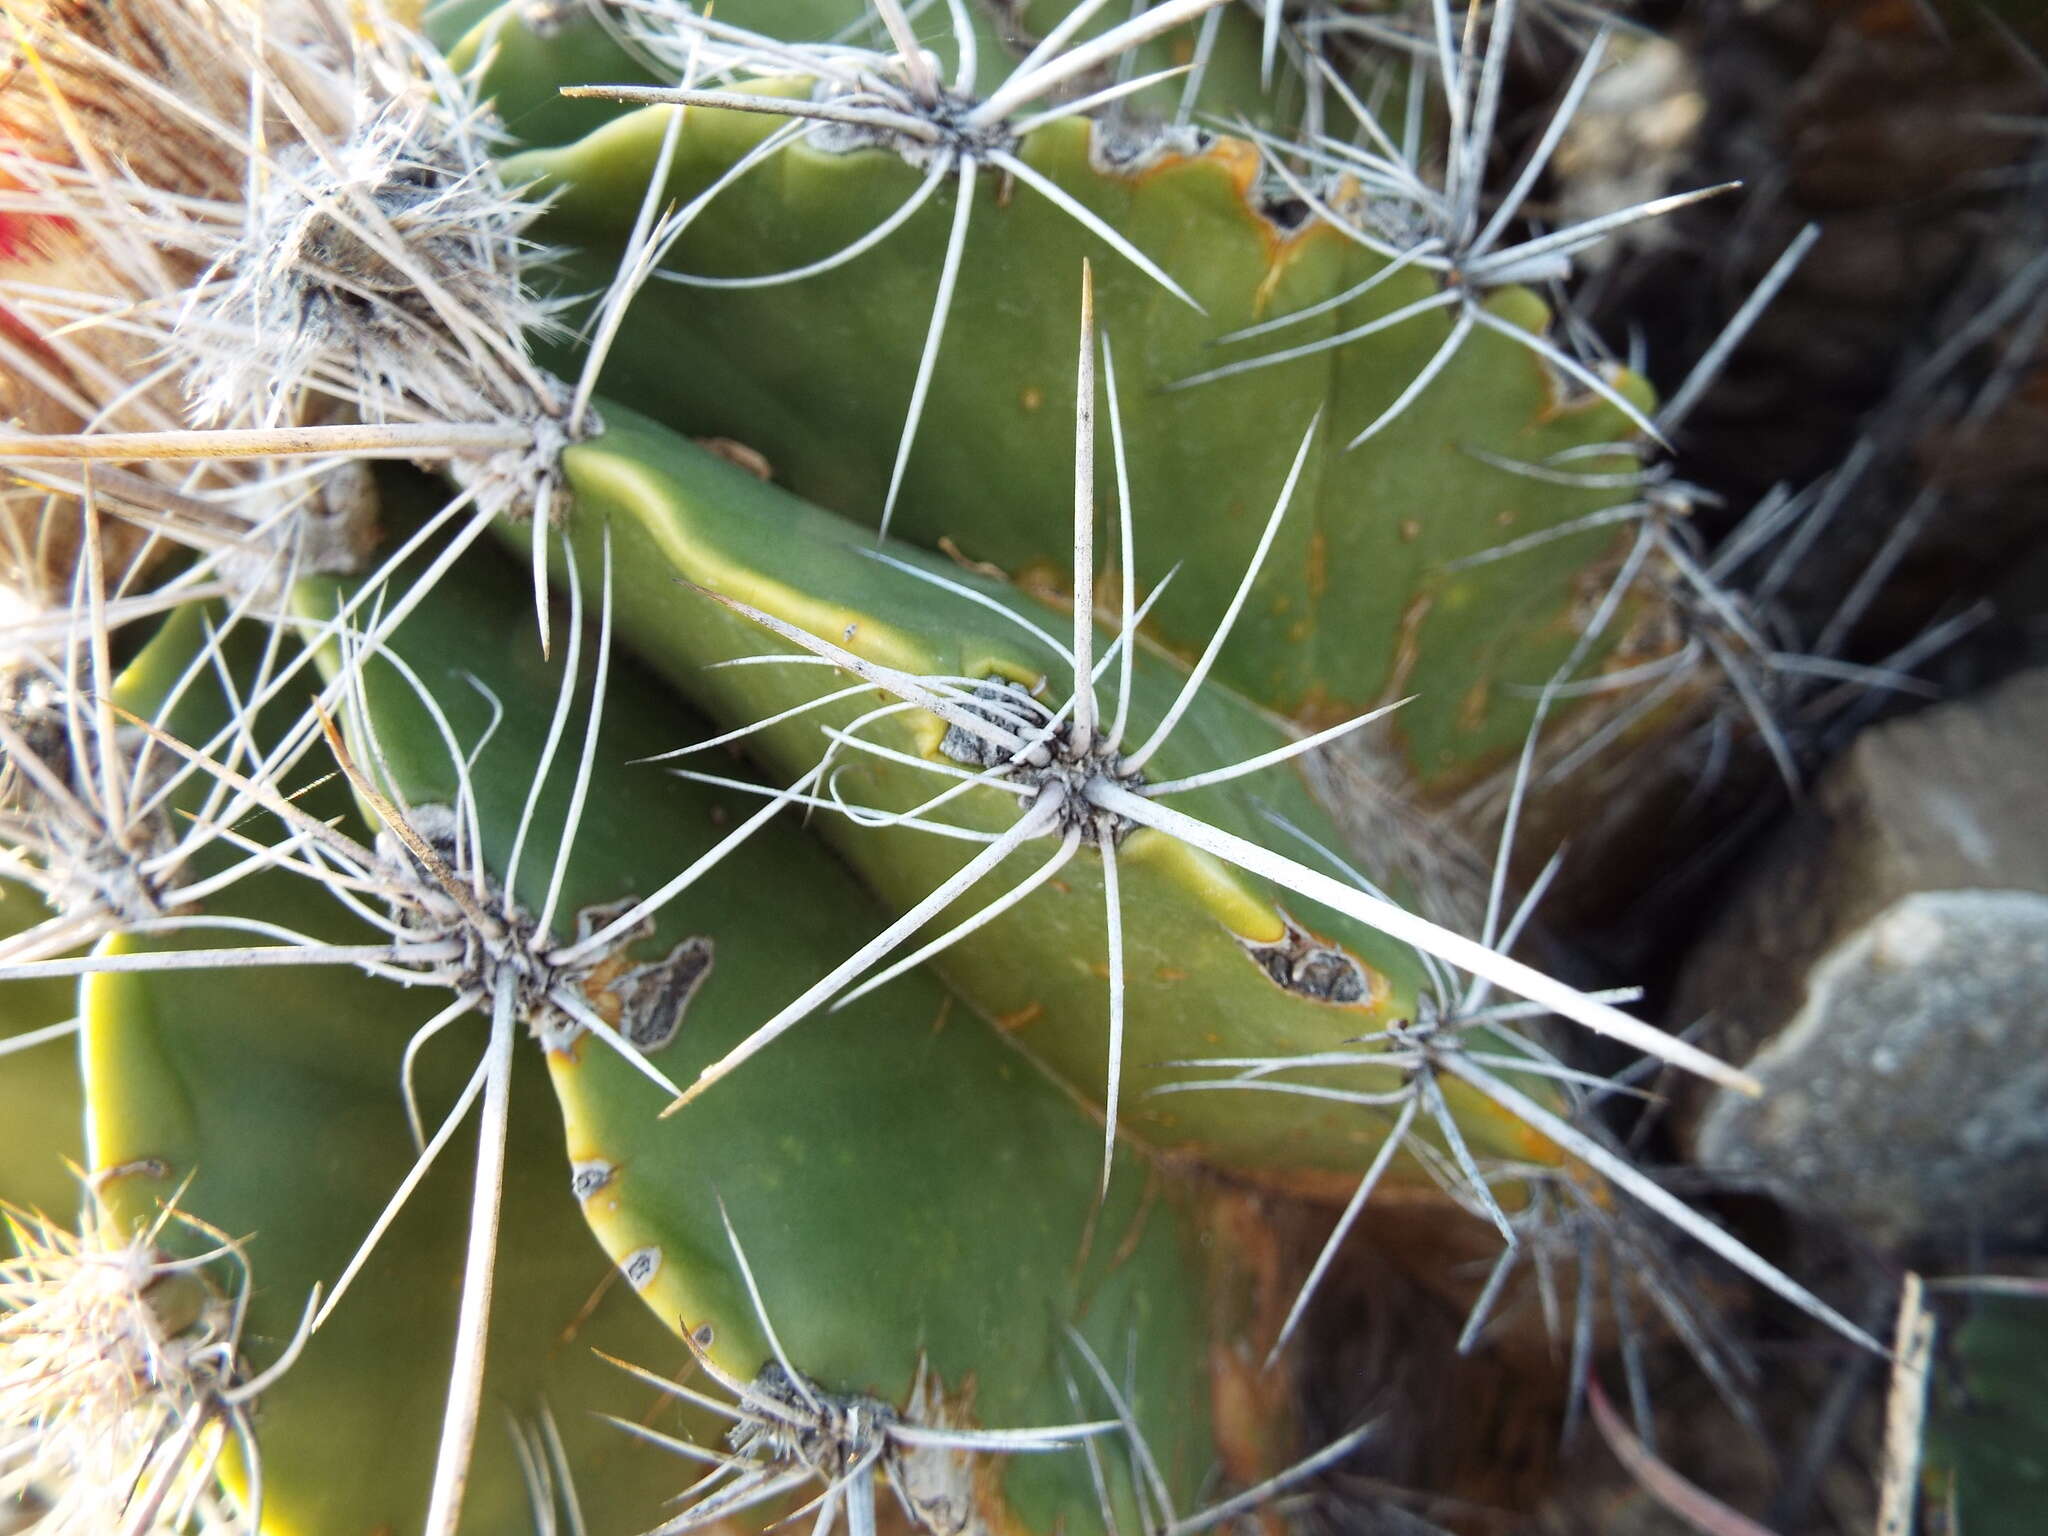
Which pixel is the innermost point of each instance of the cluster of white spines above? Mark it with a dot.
(120, 1378)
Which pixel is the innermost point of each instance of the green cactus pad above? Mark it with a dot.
(526, 58)
(1194, 987)
(906, 1187)
(532, 52)
(276, 1092)
(1356, 605)
(1230, 85)
(1989, 1419)
(279, 1094)
(40, 1101)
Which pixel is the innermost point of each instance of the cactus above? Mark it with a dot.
(1985, 1427)
(39, 1089)
(744, 342)
(1360, 595)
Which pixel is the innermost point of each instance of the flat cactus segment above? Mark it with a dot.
(1989, 1415)
(908, 1191)
(526, 53)
(40, 1101)
(276, 1095)
(1362, 600)
(1218, 962)
(446, 23)
(279, 1098)
(1229, 85)
(531, 51)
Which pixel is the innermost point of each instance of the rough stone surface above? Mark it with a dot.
(1878, 969)
(1952, 798)
(1909, 1096)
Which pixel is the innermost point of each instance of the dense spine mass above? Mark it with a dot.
(939, 843)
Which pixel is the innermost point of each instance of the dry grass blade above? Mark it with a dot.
(2032, 1287)
(1905, 1413)
(1690, 1503)
(402, 440)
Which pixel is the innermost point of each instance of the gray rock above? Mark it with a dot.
(1884, 969)
(1953, 798)
(1909, 1096)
